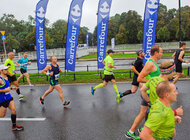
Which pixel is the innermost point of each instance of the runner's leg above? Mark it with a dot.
(47, 92)
(60, 91)
(3, 111)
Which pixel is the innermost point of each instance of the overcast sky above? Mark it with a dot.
(58, 9)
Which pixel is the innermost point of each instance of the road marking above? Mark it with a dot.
(23, 119)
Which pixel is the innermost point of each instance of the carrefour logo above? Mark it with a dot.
(104, 9)
(76, 13)
(153, 6)
(41, 14)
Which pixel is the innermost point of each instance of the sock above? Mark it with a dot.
(126, 93)
(18, 91)
(13, 119)
(115, 88)
(98, 86)
(131, 131)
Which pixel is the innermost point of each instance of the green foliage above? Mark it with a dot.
(12, 43)
(163, 34)
(140, 36)
(122, 36)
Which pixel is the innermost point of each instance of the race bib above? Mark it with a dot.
(56, 76)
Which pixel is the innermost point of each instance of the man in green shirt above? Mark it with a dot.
(109, 76)
(11, 73)
(161, 119)
(150, 69)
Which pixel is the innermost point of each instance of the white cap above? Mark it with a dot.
(3, 67)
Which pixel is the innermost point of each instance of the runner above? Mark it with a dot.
(161, 119)
(151, 68)
(178, 59)
(54, 71)
(108, 75)
(11, 74)
(23, 63)
(136, 68)
(6, 100)
(167, 71)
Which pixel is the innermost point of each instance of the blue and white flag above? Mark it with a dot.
(102, 29)
(40, 34)
(73, 28)
(149, 29)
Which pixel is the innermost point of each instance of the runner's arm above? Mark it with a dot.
(60, 70)
(1, 82)
(111, 66)
(145, 71)
(103, 63)
(180, 57)
(144, 93)
(173, 56)
(134, 70)
(146, 134)
(5, 90)
(47, 68)
(179, 111)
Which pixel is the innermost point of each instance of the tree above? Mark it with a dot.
(133, 23)
(122, 36)
(183, 35)
(58, 32)
(163, 34)
(12, 43)
(112, 30)
(140, 36)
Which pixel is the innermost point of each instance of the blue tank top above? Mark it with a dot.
(55, 70)
(4, 96)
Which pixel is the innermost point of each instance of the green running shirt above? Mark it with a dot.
(10, 64)
(152, 84)
(108, 70)
(155, 73)
(161, 121)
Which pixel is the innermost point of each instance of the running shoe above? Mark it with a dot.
(139, 130)
(121, 94)
(31, 85)
(132, 136)
(41, 100)
(17, 128)
(67, 103)
(92, 90)
(118, 98)
(21, 97)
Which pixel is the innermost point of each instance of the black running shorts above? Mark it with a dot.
(178, 68)
(108, 78)
(135, 83)
(144, 102)
(5, 104)
(11, 78)
(23, 71)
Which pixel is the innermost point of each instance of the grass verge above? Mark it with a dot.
(84, 77)
(127, 56)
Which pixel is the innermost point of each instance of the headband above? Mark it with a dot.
(168, 70)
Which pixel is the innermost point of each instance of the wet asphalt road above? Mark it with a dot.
(89, 117)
